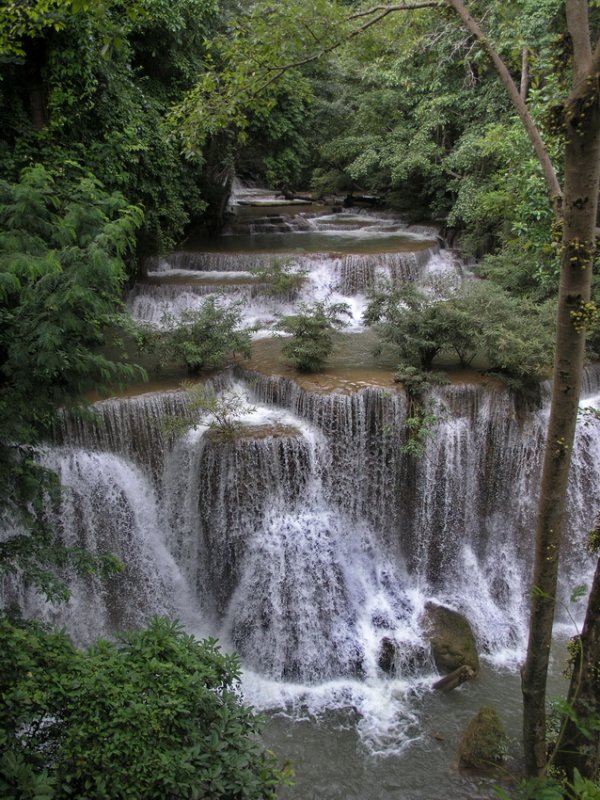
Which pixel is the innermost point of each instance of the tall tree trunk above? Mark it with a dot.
(582, 172)
(577, 210)
(579, 743)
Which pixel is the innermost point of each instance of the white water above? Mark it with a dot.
(337, 253)
(294, 549)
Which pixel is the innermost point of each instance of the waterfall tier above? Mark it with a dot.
(286, 531)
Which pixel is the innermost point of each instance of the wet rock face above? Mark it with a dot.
(451, 638)
(387, 656)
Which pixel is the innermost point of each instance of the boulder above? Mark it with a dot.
(452, 640)
(483, 744)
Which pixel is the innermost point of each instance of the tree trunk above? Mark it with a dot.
(582, 171)
(36, 54)
(576, 750)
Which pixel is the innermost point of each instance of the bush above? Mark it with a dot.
(200, 340)
(312, 331)
(513, 335)
(281, 279)
(155, 716)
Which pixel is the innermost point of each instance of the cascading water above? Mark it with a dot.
(342, 255)
(108, 505)
(313, 539)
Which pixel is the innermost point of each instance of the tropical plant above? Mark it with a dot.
(203, 339)
(61, 276)
(312, 334)
(156, 714)
(280, 279)
(512, 334)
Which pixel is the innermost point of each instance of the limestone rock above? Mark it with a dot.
(483, 745)
(452, 640)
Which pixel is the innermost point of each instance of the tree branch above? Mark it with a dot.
(524, 74)
(389, 9)
(384, 11)
(552, 183)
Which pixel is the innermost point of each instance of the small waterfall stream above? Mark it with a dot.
(313, 536)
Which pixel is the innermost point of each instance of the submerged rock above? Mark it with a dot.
(452, 640)
(483, 745)
(387, 656)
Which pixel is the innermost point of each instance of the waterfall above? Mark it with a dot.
(343, 257)
(109, 506)
(284, 536)
(312, 539)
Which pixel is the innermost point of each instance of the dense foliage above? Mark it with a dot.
(312, 332)
(83, 84)
(156, 715)
(512, 336)
(199, 340)
(61, 278)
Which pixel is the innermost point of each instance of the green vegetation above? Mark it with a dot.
(199, 340)
(280, 279)
(155, 715)
(221, 411)
(82, 86)
(62, 271)
(480, 319)
(312, 335)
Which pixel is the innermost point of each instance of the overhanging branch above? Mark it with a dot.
(399, 7)
(533, 133)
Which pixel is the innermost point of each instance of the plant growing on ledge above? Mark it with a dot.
(280, 279)
(312, 335)
(420, 413)
(222, 412)
(203, 339)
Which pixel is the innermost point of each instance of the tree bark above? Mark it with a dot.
(582, 173)
(576, 750)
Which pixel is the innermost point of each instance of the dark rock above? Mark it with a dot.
(451, 637)
(483, 745)
(387, 656)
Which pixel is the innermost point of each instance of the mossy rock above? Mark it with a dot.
(451, 637)
(483, 745)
